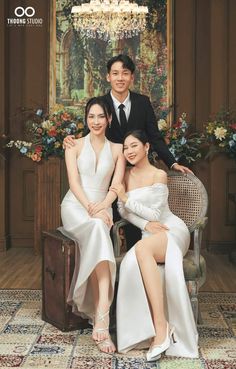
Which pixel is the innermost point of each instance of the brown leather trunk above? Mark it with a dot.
(58, 267)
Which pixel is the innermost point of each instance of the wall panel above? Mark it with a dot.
(232, 53)
(185, 62)
(28, 89)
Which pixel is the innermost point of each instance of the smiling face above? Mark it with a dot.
(120, 78)
(96, 120)
(135, 150)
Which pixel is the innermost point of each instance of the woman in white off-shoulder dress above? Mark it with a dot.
(87, 218)
(153, 306)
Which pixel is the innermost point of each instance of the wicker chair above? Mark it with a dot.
(187, 199)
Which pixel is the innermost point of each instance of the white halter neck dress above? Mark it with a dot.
(92, 235)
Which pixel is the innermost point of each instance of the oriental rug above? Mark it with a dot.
(28, 342)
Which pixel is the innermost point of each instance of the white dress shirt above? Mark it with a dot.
(126, 103)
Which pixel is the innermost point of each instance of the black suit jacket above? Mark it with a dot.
(141, 117)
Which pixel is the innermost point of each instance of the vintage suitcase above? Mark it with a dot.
(58, 266)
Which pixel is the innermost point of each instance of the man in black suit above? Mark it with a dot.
(138, 110)
(131, 110)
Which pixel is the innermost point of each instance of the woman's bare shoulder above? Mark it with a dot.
(80, 141)
(78, 144)
(160, 176)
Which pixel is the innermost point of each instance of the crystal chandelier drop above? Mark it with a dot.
(109, 19)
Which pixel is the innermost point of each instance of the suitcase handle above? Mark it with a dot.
(52, 274)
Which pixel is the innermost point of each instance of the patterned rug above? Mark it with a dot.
(28, 342)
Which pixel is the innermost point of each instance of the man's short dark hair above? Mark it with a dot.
(124, 59)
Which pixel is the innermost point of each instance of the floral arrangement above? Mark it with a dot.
(220, 134)
(183, 145)
(46, 133)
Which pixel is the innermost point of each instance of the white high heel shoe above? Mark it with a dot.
(154, 353)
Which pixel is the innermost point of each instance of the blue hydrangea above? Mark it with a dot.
(50, 140)
(234, 136)
(184, 125)
(23, 150)
(68, 131)
(232, 143)
(39, 112)
(73, 125)
(183, 141)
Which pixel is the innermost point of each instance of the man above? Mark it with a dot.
(131, 110)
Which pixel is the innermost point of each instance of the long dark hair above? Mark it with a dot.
(104, 104)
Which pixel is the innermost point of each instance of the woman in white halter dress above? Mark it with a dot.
(87, 218)
(152, 299)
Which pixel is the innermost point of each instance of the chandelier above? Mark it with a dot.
(109, 19)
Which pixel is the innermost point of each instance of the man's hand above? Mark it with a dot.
(68, 142)
(181, 168)
(155, 227)
(105, 216)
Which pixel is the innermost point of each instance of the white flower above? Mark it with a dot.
(162, 125)
(18, 144)
(220, 133)
(46, 124)
(27, 143)
(10, 144)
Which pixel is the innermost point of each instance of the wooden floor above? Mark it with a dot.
(20, 268)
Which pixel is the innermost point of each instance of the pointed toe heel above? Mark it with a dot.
(152, 356)
(155, 352)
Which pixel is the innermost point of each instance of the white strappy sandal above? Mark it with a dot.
(106, 342)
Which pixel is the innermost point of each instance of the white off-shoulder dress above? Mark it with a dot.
(134, 321)
(92, 235)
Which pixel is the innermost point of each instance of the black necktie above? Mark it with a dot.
(122, 116)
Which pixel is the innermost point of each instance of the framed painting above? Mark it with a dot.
(78, 64)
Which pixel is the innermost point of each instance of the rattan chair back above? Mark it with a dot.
(187, 198)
